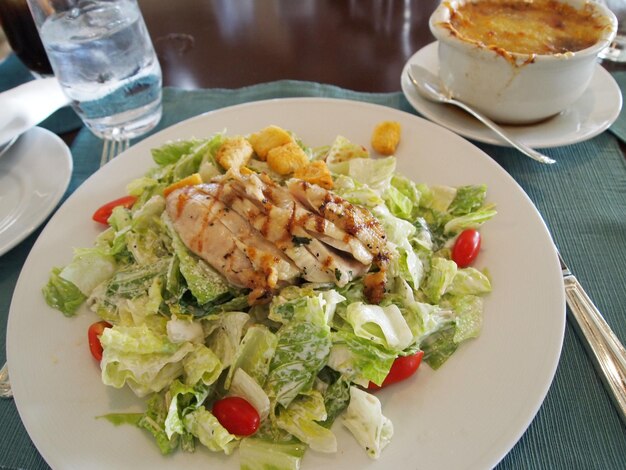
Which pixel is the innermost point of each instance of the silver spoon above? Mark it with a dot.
(428, 86)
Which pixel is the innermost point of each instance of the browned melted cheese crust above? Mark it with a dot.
(534, 27)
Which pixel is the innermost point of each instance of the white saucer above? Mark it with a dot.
(34, 175)
(593, 113)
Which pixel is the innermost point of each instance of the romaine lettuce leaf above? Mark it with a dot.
(181, 330)
(224, 334)
(441, 274)
(365, 420)
(381, 325)
(244, 386)
(145, 360)
(304, 304)
(468, 199)
(201, 366)
(471, 220)
(261, 454)
(301, 352)
(183, 400)
(202, 424)
(171, 152)
(299, 419)
(359, 359)
(89, 267)
(153, 421)
(469, 281)
(62, 295)
(375, 173)
(469, 317)
(254, 354)
(355, 192)
(336, 400)
(439, 346)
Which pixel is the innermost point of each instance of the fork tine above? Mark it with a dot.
(105, 152)
(111, 148)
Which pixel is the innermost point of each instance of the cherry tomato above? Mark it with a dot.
(402, 368)
(466, 247)
(237, 415)
(103, 213)
(93, 334)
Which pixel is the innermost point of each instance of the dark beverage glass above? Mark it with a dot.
(21, 32)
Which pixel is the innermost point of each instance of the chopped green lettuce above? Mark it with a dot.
(203, 425)
(183, 400)
(224, 334)
(381, 325)
(441, 275)
(469, 281)
(365, 420)
(153, 421)
(244, 386)
(300, 420)
(261, 454)
(89, 267)
(359, 359)
(254, 354)
(301, 352)
(201, 365)
(62, 294)
(468, 199)
(469, 317)
(143, 359)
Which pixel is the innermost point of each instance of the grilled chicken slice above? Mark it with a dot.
(285, 225)
(262, 236)
(356, 221)
(227, 241)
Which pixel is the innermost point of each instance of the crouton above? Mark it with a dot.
(190, 180)
(386, 137)
(317, 173)
(287, 158)
(267, 139)
(234, 152)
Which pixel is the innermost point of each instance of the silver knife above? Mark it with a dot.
(605, 349)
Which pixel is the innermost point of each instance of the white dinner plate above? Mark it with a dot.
(34, 174)
(468, 414)
(590, 115)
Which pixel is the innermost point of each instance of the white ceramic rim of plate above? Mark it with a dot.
(56, 422)
(589, 116)
(37, 157)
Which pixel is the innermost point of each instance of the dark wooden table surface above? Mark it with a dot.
(356, 44)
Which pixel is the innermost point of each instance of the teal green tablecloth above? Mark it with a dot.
(583, 200)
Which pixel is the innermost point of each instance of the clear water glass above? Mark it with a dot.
(102, 55)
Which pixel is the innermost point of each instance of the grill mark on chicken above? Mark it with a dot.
(262, 236)
(355, 220)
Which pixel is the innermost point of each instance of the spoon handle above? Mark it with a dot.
(525, 149)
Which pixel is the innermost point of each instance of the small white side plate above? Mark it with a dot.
(592, 114)
(34, 175)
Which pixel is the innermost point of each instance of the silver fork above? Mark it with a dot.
(111, 148)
